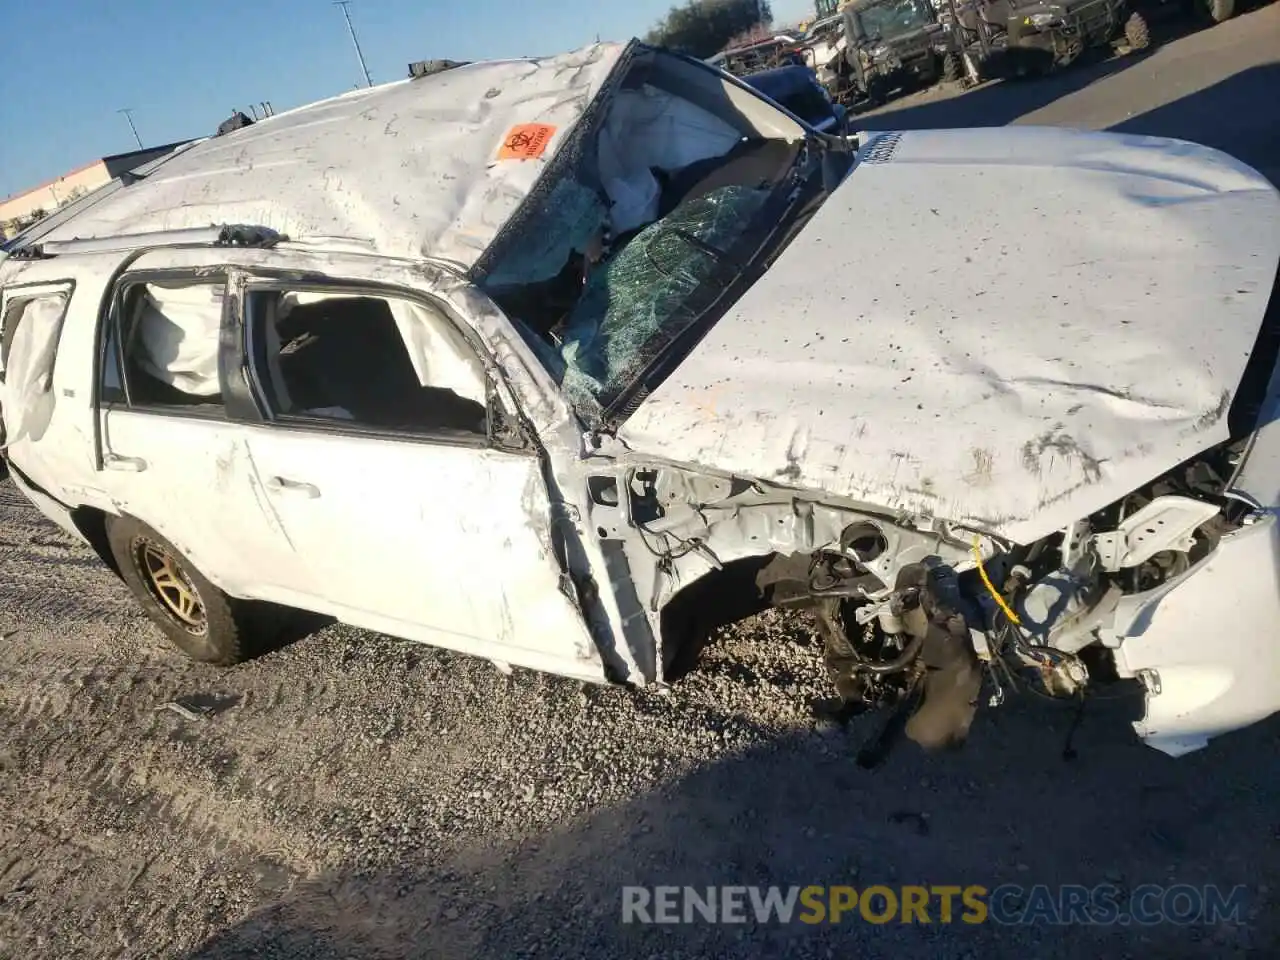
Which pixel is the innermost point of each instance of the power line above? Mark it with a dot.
(344, 4)
(128, 115)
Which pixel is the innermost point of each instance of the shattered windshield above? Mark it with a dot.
(893, 18)
(654, 213)
(642, 299)
(609, 320)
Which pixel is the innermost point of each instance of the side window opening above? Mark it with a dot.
(30, 327)
(8, 327)
(170, 333)
(44, 310)
(112, 384)
(383, 363)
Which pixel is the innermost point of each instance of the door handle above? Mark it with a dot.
(295, 488)
(127, 464)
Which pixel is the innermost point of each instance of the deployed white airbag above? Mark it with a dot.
(441, 358)
(178, 336)
(646, 129)
(26, 395)
(439, 354)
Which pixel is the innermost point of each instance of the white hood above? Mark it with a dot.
(1010, 328)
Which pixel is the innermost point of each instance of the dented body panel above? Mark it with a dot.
(457, 551)
(410, 168)
(1207, 647)
(1047, 357)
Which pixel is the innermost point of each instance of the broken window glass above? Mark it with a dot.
(638, 227)
(639, 301)
(572, 216)
(893, 18)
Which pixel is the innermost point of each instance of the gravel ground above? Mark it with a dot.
(353, 796)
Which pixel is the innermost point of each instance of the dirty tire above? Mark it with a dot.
(952, 68)
(1136, 32)
(1075, 50)
(1220, 10)
(213, 629)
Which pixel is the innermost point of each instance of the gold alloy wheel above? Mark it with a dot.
(170, 585)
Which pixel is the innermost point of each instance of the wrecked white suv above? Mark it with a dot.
(556, 362)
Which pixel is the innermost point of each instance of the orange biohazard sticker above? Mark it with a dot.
(526, 141)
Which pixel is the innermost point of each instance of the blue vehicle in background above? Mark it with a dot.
(796, 89)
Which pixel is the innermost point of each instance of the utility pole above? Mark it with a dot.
(344, 4)
(128, 115)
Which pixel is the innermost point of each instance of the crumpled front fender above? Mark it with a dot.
(1208, 649)
(1207, 645)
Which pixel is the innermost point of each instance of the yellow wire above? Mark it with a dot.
(991, 589)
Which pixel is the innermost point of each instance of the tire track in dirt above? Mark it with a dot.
(342, 754)
(49, 580)
(94, 782)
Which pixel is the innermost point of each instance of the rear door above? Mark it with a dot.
(171, 455)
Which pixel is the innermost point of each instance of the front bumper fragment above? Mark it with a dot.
(1207, 646)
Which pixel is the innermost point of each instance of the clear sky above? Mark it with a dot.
(67, 66)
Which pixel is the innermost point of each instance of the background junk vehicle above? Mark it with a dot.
(639, 352)
(797, 90)
(892, 45)
(764, 55)
(822, 47)
(1002, 38)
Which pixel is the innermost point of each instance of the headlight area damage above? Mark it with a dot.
(917, 616)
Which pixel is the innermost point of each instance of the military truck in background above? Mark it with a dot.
(767, 54)
(892, 45)
(885, 45)
(1017, 38)
(1020, 38)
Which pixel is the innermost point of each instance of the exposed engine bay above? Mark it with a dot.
(918, 617)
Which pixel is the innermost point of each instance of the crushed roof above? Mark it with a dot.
(411, 168)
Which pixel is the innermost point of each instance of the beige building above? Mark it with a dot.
(17, 210)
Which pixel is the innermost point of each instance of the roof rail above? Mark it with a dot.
(226, 235)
